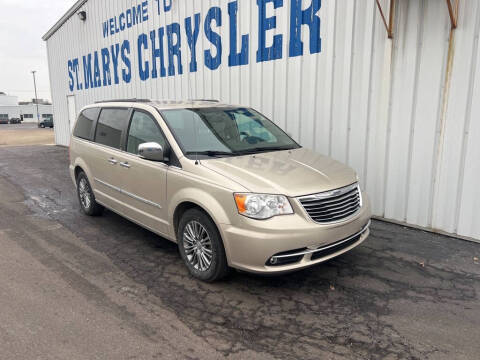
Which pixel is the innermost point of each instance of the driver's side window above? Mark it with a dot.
(143, 129)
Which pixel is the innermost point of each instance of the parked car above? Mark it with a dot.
(15, 121)
(3, 120)
(226, 184)
(48, 122)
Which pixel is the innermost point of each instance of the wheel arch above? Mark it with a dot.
(204, 202)
(79, 166)
(186, 205)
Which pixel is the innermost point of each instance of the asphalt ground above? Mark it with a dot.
(77, 287)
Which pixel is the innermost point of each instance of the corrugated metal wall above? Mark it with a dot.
(397, 112)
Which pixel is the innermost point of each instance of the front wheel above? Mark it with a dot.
(201, 246)
(86, 197)
(42, 126)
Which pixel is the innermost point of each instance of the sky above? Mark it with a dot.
(22, 25)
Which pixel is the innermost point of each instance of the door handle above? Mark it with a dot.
(125, 165)
(113, 161)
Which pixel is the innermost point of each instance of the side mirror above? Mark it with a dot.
(151, 151)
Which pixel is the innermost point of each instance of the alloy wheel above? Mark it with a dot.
(197, 245)
(84, 192)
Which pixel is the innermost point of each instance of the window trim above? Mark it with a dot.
(122, 136)
(173, 160)
(130, 124)
(92, 128)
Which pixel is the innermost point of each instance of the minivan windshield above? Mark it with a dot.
(225, 131)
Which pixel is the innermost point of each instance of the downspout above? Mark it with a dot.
(383, 107)
(444, 107)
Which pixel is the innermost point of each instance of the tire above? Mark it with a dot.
(86, 198)
(42, 126)
(211, 246)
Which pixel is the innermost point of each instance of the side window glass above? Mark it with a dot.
(143, 129)
(84, 124)
(111, 124)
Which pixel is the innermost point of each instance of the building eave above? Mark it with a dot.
(72, 11)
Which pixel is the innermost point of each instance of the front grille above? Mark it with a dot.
(333, 206)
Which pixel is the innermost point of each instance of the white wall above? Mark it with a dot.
(385, 108)
(32, 109)
(15, 111)
(12, 111)
(7, 100)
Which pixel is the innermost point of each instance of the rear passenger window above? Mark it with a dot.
(111, 124)
(84, 124)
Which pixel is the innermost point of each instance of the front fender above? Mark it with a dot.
(211, 204)
(204, 200)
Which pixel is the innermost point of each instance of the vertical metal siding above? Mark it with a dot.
(384, 107)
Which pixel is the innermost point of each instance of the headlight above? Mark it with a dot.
(262, 206)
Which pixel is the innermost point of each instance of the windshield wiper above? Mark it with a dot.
(210, 153)
(263, 149)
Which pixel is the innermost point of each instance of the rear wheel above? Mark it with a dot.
(86, 197)
(201, 246)
(42, 126)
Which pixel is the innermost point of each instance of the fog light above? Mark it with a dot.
(273, 260)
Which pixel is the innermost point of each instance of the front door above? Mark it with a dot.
(145, 181)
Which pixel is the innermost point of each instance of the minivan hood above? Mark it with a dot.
(293, 173)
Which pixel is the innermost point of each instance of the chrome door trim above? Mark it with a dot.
(133, 196)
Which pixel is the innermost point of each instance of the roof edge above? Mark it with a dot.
(63, 19)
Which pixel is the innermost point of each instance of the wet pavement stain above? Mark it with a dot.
(403, 294)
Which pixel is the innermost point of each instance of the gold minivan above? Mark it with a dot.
(222, 181)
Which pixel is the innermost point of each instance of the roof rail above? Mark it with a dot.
(209, 100)
(124, 100)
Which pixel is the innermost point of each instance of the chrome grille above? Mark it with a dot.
(333, 206)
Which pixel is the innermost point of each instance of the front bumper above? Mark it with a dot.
(251, 245)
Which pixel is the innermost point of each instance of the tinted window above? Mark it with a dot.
(143, 129)
(84, 123)
(111, 124)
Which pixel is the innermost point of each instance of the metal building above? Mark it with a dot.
(27, 111)
(390, 87)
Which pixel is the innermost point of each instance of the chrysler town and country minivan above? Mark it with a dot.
(222, 181)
